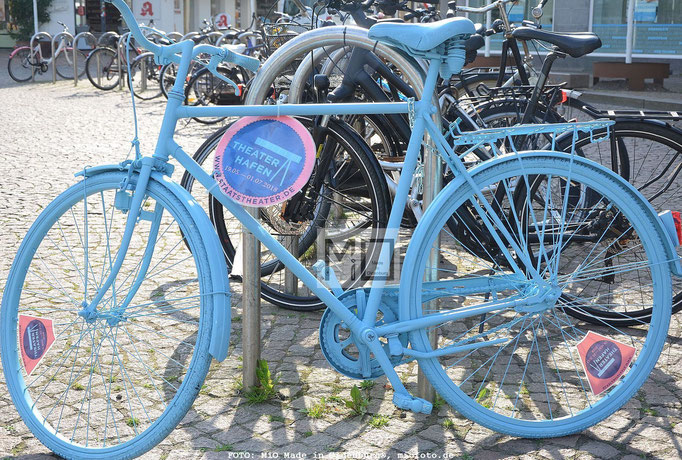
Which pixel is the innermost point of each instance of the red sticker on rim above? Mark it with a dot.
(604, 360)
(261, 161)
(36, 336)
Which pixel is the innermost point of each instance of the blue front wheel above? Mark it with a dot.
(111, 383)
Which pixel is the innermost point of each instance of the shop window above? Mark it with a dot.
(657, 27)
(4, 16)
(609, 21)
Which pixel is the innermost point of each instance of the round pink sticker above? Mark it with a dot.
(261, 161)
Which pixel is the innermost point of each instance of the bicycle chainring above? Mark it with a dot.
(344, 351)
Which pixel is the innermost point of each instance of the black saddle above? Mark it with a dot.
(575, 44)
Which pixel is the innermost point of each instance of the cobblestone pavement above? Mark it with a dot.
(51, 131)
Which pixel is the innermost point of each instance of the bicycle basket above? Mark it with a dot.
(279, 33)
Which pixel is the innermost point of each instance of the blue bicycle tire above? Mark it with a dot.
(462, 394)
(192, 322)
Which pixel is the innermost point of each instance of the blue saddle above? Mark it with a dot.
(421, 37)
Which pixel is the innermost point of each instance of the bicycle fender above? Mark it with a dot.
(220, 332)
(16, 50)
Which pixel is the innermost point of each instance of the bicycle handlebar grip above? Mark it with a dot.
(248, 62)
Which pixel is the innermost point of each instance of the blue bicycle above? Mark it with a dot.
(118, 298)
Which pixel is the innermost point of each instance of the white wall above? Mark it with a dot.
(200, 10)
(166, 16)
(64, 11)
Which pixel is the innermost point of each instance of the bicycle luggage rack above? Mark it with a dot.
(88, 37)
(491, 135)
(671, 115)
(485, 93)
(32, 46)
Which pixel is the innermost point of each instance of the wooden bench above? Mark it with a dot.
(634, 73)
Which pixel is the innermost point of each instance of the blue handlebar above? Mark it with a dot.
(248, 62)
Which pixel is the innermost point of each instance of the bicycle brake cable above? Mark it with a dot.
(136, 140)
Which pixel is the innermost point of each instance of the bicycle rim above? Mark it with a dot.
(117, 384)
(19, 67)
(650, 157)
(527, 378)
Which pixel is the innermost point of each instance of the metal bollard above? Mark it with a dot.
(290, 280)
(88, 37)
(250, 305)
(432, 183)
(143, 77)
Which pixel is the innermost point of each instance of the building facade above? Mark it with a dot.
(631, 30)
(96, 16)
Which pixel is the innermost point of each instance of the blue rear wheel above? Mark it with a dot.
(598, 246)
(115, 384)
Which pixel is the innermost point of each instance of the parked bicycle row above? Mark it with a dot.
(537, 264)
(642, 147)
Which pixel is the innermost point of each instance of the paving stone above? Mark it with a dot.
(600, 449)
(233, 435)
(183, 454)
(319, 441)
(254, 445)
(414, 444)
(204, 443)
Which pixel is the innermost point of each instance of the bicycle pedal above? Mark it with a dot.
(327, 277)
(407, 402)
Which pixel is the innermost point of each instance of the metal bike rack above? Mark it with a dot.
(101, 41)
(331, 39)
(103, 38)
(150, 33)
(189, 35)
(214, 36)
(88, 37)
(175, 36)
(60, 35)
(223, 36)
(32, 46)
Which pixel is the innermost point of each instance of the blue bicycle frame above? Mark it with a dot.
(364, 328)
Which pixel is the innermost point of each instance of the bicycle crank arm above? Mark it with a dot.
(401, 397)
